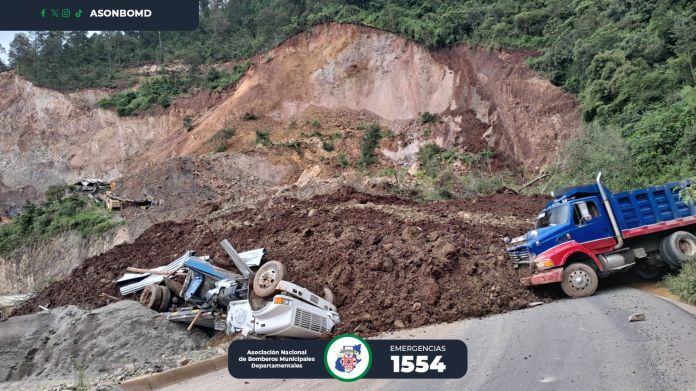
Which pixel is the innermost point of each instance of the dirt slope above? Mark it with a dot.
(346, 73)
(485, 97)
(391, 262)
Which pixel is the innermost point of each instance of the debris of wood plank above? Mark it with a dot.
(44, 308)
(149, 271)
(533, 181)
(535, 304)
(193, 322)
(108, 296)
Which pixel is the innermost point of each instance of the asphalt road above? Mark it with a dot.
(581, 344)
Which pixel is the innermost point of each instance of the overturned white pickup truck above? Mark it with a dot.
(218, 299)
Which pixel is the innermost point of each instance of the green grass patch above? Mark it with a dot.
(59, 213)
(162, 90)
(684, 283)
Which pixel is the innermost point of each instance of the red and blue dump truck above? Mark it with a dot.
(587, 232)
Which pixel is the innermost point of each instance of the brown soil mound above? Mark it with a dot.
(387, 259)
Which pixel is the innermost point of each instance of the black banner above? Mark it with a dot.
(99, 15)
(347, 358)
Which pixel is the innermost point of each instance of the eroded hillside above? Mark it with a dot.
(336, 75)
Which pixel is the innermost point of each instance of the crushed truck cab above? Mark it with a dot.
(586, 232)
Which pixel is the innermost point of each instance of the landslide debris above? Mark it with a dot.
(391, 262)
(56, 344)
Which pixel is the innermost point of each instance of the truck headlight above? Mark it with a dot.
(543, 264)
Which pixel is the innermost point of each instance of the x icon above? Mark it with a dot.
(54, 13)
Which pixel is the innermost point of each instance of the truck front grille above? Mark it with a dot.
(519, 254)
(310, 321)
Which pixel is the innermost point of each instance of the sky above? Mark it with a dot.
(6, 37)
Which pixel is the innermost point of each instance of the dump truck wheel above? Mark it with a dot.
(579, 280)
(267, 278)
(647, 271)
(678, 248)
(151, 297)
(166, 298)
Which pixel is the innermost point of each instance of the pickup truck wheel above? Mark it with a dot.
(678, 248)
(151, 297)
(166, 298)
(267, 278)
(579, 280)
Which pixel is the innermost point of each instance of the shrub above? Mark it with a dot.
(188, 122)
(386, 172)
(315, 124)
(221, 148)
(428, 118)
(342, 160)
(250, 117)
(684, 283)
(263, 138)
(327, 145)
(429, 159)
(370, 141)
(295, 145)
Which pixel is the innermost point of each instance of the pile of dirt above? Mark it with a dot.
(59, 343)
(391, 262)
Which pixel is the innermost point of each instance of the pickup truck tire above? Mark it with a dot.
(579, 280)
(678, 247)
(166, 298)
(151, 297)
(267, 278)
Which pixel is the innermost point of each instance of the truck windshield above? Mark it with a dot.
(554, 216)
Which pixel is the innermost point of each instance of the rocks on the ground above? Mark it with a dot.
(638, 317)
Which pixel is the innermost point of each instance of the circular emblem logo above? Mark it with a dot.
(347, 357)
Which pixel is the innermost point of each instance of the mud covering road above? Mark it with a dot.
(391, 262)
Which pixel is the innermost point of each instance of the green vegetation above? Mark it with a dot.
(437, 173)
(342, 160)
(164, 89)
(386, 172)
(428, 118)
(684, 283)
(59, 213)
(631, 64)
(221, 138)
(263, 138)
(250, 117)
(433, 159)
(315, 124)
(327, 145)
(188, 122)
(369, 143)
(294, 145)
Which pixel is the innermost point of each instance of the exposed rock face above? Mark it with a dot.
(487, 99)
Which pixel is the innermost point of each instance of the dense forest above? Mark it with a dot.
(629, 62)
